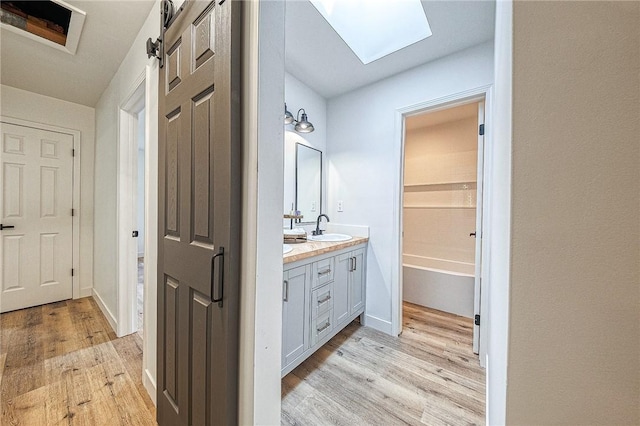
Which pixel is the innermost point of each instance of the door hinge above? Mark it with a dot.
(476, 320)
(481, 130)
(73, 152)
(73, 212)
(72, 271)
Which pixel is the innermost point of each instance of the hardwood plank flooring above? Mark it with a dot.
(428, 375)
(62, 364)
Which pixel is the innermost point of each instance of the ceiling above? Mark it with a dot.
(316, 55)
(331, 68)
(442, 116)
(109, 31)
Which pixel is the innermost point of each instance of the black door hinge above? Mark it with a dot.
(72, 271)
(73, 212)
(476, 320)
(481, 130)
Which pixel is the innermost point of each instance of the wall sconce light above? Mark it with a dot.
(288, 117)
(302, 123)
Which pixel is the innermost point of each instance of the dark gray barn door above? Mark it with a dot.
(199, 215)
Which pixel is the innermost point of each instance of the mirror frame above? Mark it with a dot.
(298, 144)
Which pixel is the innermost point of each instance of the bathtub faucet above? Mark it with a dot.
(319, 231)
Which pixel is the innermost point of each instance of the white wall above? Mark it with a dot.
(30, 106)
(574, 324)
(363, 161)
(437, 220)
(261, 277)
(105, 248)
(298, 95)
(498, 161)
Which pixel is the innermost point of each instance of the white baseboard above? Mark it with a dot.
(86, 291)
(107, 313)
(150, 385)
(378, 324)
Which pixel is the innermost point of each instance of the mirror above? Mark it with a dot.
(308, 182)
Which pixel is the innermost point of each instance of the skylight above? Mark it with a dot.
(375, 28)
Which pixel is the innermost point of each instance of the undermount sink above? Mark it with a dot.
(330, 237)
(286, 248)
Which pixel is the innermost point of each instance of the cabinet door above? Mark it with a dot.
(294, 315)
(356, 282)
(343, 264)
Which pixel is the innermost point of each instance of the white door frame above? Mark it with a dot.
(127, 197)
(477, 287)
(75, 134)
(476, 94)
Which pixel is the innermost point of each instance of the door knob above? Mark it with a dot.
(6, 227)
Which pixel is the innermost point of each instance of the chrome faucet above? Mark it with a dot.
(319, 231)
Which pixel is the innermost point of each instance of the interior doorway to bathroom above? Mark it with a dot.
(441, 220)
(131, 225)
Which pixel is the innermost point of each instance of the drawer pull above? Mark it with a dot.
(324, 327)
(285, 291)
(325, 272)
(326, 299)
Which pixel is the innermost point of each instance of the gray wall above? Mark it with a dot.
(574, 326)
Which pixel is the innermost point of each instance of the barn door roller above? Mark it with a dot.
(156, 48)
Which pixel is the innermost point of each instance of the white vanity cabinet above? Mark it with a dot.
(349, 285)
(321, 296)
(295, 328)
(356, 282)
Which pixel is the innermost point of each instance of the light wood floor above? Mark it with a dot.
(62, 364)
(428, 375)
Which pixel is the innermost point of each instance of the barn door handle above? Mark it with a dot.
(6, 227)
(221, 277)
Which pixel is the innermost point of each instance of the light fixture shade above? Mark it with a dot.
(303, 126)
(288, 117)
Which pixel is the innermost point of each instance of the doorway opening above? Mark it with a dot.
(441, 187)
(440, 214)
(140, 215)
(131, 212)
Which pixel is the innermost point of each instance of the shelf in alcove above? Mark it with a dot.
(436, 184)
(437, 207)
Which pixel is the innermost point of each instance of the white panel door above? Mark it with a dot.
(37, 196)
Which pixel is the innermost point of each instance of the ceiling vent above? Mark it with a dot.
(54, 23)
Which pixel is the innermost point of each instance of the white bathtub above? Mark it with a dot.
(440, 284)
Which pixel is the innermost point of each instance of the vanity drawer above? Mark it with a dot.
(321, 326)
(321, 300)
(322, 272)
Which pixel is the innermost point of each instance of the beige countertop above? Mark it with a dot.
(315, 248)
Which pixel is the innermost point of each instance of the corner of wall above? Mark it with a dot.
(111, 318)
